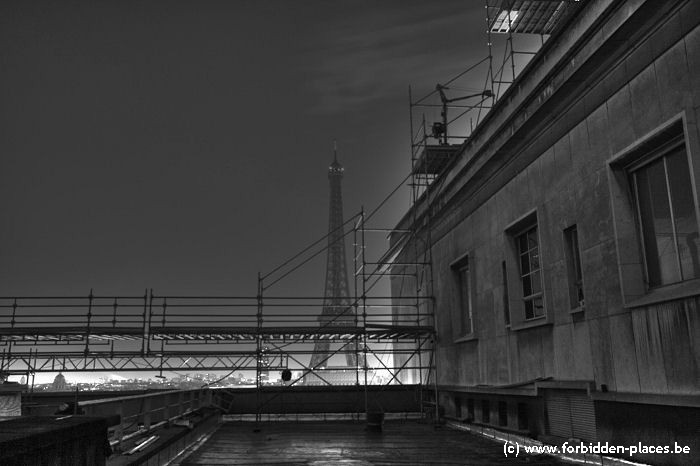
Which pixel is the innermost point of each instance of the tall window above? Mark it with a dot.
(530, 275)
(463, 277)
(667, 218)
(506, 304)
(573, 265)
(465, 298)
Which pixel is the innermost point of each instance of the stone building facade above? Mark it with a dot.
(564, 244)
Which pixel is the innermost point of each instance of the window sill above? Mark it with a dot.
(667, 293)
(531, 323)
(576, 310)
(466, 339)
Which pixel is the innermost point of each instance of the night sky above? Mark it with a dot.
(184, 146)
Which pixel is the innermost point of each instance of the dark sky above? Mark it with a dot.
(184, 146)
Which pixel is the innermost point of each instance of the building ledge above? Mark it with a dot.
(587, 385)
(532, 323)
(466, 339)
(648, 398)
(673, 292)
(514, 391)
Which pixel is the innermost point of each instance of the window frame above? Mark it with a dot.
(525, 232)
(663, 153)
(516, 305)
(506, 296)
(574, 268)
(457, 267)
(634, 286)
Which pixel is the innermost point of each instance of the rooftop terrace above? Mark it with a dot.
(348, 443)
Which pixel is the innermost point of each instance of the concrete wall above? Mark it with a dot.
(321, 399)
(40, 440)
(626, 424)
(623, 80)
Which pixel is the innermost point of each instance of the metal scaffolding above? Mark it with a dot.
(263, 333)
(464, 100)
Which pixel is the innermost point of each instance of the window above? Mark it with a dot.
(522, 275)
(530, 274)
(506, 304)
(654, 199)
(502, 413)
(485, 412)
(523, 422)
(668, 225)
(465, 288)
(573, 266)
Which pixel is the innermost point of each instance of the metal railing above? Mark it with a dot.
(139, 414)
(136, 316)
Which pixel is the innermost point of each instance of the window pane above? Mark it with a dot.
(522, 243)
(536, 282)
(465, 301)
(465, 292)
(575, 255)
(527, 286)
(524, 264)
(538, 306)
(532, 238)
(535, 259)
(529, 310)
(684, 213)
(573, 266)
(506, 304)
(659, 243)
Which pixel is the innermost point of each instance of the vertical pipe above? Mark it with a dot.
(14, 314)
(162, 340)
(145, 334)
(490, 47)
(424, 148)
(434, 359)
(413, 146)
(114, 313)
(364, 303)
(510, 40)
(75, 403)
(355, 300)
(259, 349)
(445, 138)
(89, 318)
(30, 371)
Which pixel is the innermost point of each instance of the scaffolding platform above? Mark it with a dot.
(434, 158)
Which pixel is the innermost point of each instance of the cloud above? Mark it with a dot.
(369, 61)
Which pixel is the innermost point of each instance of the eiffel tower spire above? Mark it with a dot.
(337, 306)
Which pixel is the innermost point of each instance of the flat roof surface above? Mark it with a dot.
(348, 443)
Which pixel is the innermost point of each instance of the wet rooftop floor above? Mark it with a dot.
(349, 443)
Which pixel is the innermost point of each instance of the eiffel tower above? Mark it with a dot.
(337, 306)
